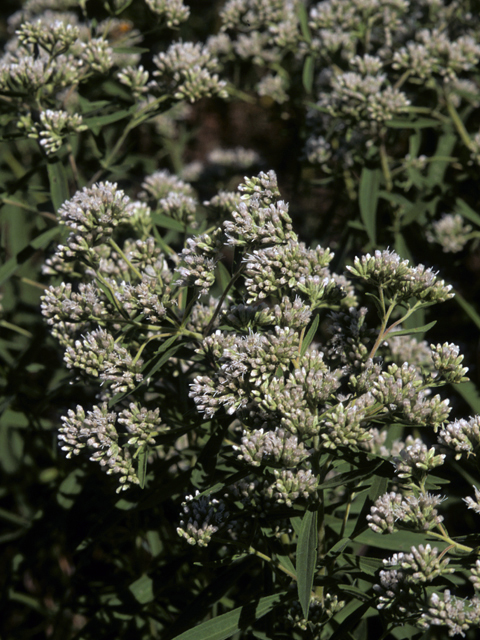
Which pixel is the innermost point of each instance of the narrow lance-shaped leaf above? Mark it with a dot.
(368, 200)
(222, 627)
(407, 332)
(27, 252)
(308, 73)
(307, 340)
(58, 183)
(306, 559)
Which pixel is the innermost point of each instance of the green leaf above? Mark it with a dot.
(214, 591)
(407, 332)
(349, 622)
(88, 106)
(302, 16)
(69, 488)
(142, 468)
(58, 183)
(395, 198)
(438, 166)
(407, 632)
(414, 142)
(166, 356)
(142, 589)
(222, 627)
(307, 340)
(308, 73)
(397, 541)
(306, 559)
(469, 393)
(404, 123)
(161, 220)
(296, 523)
(368, 200)
(377, 303)
(366, 565)
(223, 276)
(95, 123)
(468, 308)
(378, 487)
(27, 252)
(131, 50)
(402, 249)
(287, 563)
(463, 209)
(108, 294)
(151, 367)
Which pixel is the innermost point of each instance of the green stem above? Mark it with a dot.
(280, 566)
(385, 166)
(403, 78)
(138, 118)
(13, 327)
(446, 538)
(140, 351)
(457, 121)
(121, 311)
(115, 246)
(222, 299)
(347, 513)
(383, 329)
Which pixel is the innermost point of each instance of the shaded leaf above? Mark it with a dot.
(142, 589)
(405, 123)
(222, 627)
(58, 183)
(302, 16)
(308, 73)
(27, 252)
(368, 200)
(142, 468)
(463, 209)
(95, 123)
(468, 308)
(469, 393)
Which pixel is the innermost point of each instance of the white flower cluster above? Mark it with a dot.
(286, 415)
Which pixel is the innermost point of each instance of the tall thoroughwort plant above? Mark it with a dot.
(245, 365)
(279, 432)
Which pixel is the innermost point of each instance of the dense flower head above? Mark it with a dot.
(199, 259)
(456, 614)
(102, 205)
(161, 184)
(202, 517)
(271, 447)
(393, 511)
(451, 232)
(388, 271)
(55, 39)
(463, 436)
(364, 99)
(435, 53)
(416, 459)
(172, 11)
(99, 355)
(97, 430)
(185, 71)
